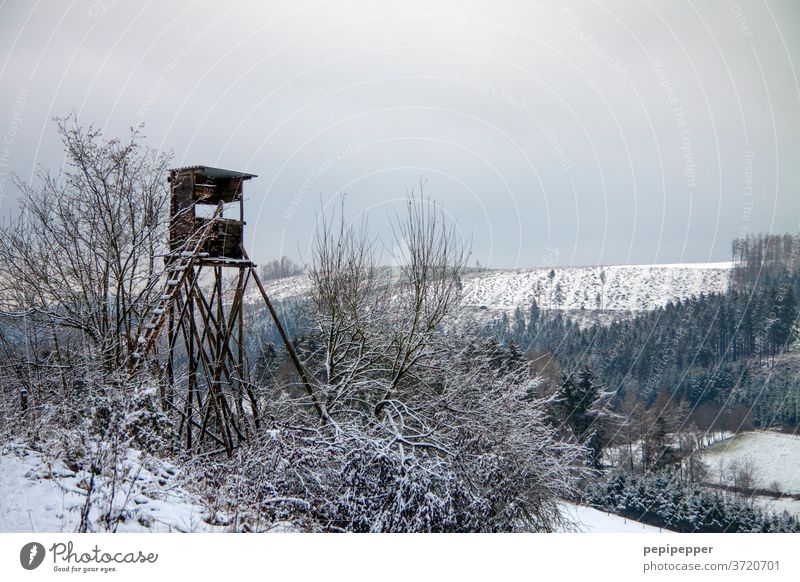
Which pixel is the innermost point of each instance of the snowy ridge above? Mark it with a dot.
(627, 288)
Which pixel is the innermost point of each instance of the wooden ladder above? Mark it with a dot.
(176, 271)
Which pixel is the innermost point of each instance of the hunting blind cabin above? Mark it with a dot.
(204, 318)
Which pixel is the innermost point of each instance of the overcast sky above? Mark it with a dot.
(589, 133)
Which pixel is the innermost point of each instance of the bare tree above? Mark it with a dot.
(379, 324)
(348, 289)
(396, 379)
(433, 259)
(82, 257)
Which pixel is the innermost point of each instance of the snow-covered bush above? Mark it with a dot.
(352, 482)
(130, 410)
(476, 454)
(406, 426)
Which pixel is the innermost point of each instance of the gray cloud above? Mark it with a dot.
(608, 132)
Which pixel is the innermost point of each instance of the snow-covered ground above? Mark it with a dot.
(590, 520)
(773, 456)
(623, 288)
(38, 494)
(773, 459)
(42, 494)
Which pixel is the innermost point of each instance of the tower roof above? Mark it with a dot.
(210, 172)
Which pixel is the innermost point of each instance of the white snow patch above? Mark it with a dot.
(44, 495)
(590, 520)
(774, 458)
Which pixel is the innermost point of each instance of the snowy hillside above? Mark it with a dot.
(625, 288)
(770, 457)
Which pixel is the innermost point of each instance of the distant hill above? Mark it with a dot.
(627, 288)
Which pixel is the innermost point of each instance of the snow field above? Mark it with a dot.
(627, 288)
(773, 458)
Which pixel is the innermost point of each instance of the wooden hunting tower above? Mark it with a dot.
(205, 379)
(195, 193)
